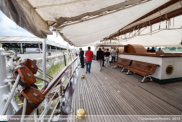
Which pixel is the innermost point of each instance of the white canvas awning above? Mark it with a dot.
(152, 37)
(87, 32)
(81, 22)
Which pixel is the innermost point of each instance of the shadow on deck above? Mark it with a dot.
(111, 92)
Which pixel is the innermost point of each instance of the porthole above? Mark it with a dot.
(169, 69)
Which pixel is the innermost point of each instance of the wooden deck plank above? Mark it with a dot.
(91, 98)
(111, 92)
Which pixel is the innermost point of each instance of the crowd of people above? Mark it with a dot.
(152, 50)
(102, 56)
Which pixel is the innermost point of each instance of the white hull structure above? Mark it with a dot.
(163, 63)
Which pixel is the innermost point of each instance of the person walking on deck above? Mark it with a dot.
(81, 55)
(103, 58)
(107, 53)
(89, 55)
(113, 54)
(100, 57)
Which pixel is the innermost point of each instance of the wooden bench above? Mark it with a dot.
(142, 68)
(122, 63)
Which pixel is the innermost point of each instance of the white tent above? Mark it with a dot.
(86, 22)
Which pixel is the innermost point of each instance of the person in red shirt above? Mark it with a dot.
(89, 55)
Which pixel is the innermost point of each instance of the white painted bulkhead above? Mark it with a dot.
(163, 62)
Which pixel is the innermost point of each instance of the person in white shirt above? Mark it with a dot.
(113, 54)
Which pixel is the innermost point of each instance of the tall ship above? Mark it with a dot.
(122, 62)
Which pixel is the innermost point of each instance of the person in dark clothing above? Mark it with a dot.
(103, 58)
(152, 50)
(148, 49)
(81, 55)
(107, 57)
(100, 57)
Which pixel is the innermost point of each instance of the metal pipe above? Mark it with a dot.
(11, 95)
(44, 60)
(53, 110)
(15, 105)
(44, 65)
(143, 79)
(6, 54)
(47, 107)
(24, 110)
(35, 116)
(128, 72)
(8, 80)
(122, 69)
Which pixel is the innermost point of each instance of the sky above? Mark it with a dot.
(9, 28)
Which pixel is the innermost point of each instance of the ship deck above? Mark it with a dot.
(111, 92)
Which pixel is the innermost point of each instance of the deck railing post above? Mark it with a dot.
(44, 45)
(64, 59)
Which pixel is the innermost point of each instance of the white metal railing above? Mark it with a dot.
(65, 82)
(66, 77)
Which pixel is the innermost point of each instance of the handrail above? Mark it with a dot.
(56, 78)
